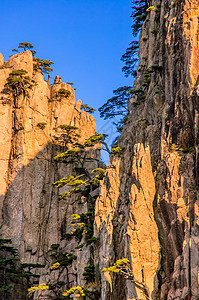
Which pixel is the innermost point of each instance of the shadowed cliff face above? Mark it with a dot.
(147, 210)
(148, 207)
(31, 214)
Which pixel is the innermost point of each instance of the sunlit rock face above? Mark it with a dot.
(31, 213)
(148, 205)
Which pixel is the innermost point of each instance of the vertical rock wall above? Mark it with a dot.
(148, 205)
(147, 210)
(31, 214)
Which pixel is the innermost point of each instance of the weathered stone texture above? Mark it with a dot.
(31, 214)
(148, 207)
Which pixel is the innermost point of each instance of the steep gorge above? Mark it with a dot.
(148, 206)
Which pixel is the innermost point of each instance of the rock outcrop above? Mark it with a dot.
(148, 207)
(31, 213)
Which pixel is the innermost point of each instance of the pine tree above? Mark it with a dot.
(117, 105)
(12, 271)
(26, 46)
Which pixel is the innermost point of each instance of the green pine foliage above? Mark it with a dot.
(19, 83)
(117, 105)
(26, 46)
(63, 93)
(87, 108)
(66, 135)
(63, 181)
(94, 139)
(12, 272)
(44, 65)
(138, 15)
(14, 50)
(72, 153)
(130, 59)
(89, 273)
(117, 150)
(65, 259)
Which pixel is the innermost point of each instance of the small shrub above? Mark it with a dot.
(42, 125)
(93, 239)
(63, 93)
(117, 150)
(141, 99)
(66, 259)
(137, 92)
(152, 8)
(175, 147)
(55, 266)
(94, 139)
(55, 246)
(80, 246)
(41, 287)
(74, 290)
(89, 273)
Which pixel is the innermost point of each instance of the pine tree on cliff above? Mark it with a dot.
(26, 46)
(117, 105)
(12, 272)
(81, 184)
(130, 57)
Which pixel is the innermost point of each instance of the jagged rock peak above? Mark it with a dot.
(57, 79)
(30, 212)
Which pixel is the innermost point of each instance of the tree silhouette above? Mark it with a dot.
(117, 105)
(12, 272)
(26, 46)
(138, 15)
(130, 57)
(44, 65)
(87, 108)
(19, 83)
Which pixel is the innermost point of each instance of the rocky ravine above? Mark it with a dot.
(147, 210)
(148, 207)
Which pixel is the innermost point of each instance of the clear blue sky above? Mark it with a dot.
(84, 38)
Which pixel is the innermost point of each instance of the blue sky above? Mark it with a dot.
(84, 38)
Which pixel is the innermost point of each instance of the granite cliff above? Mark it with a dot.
(148, 205)
(148, 208)
(32, 215)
